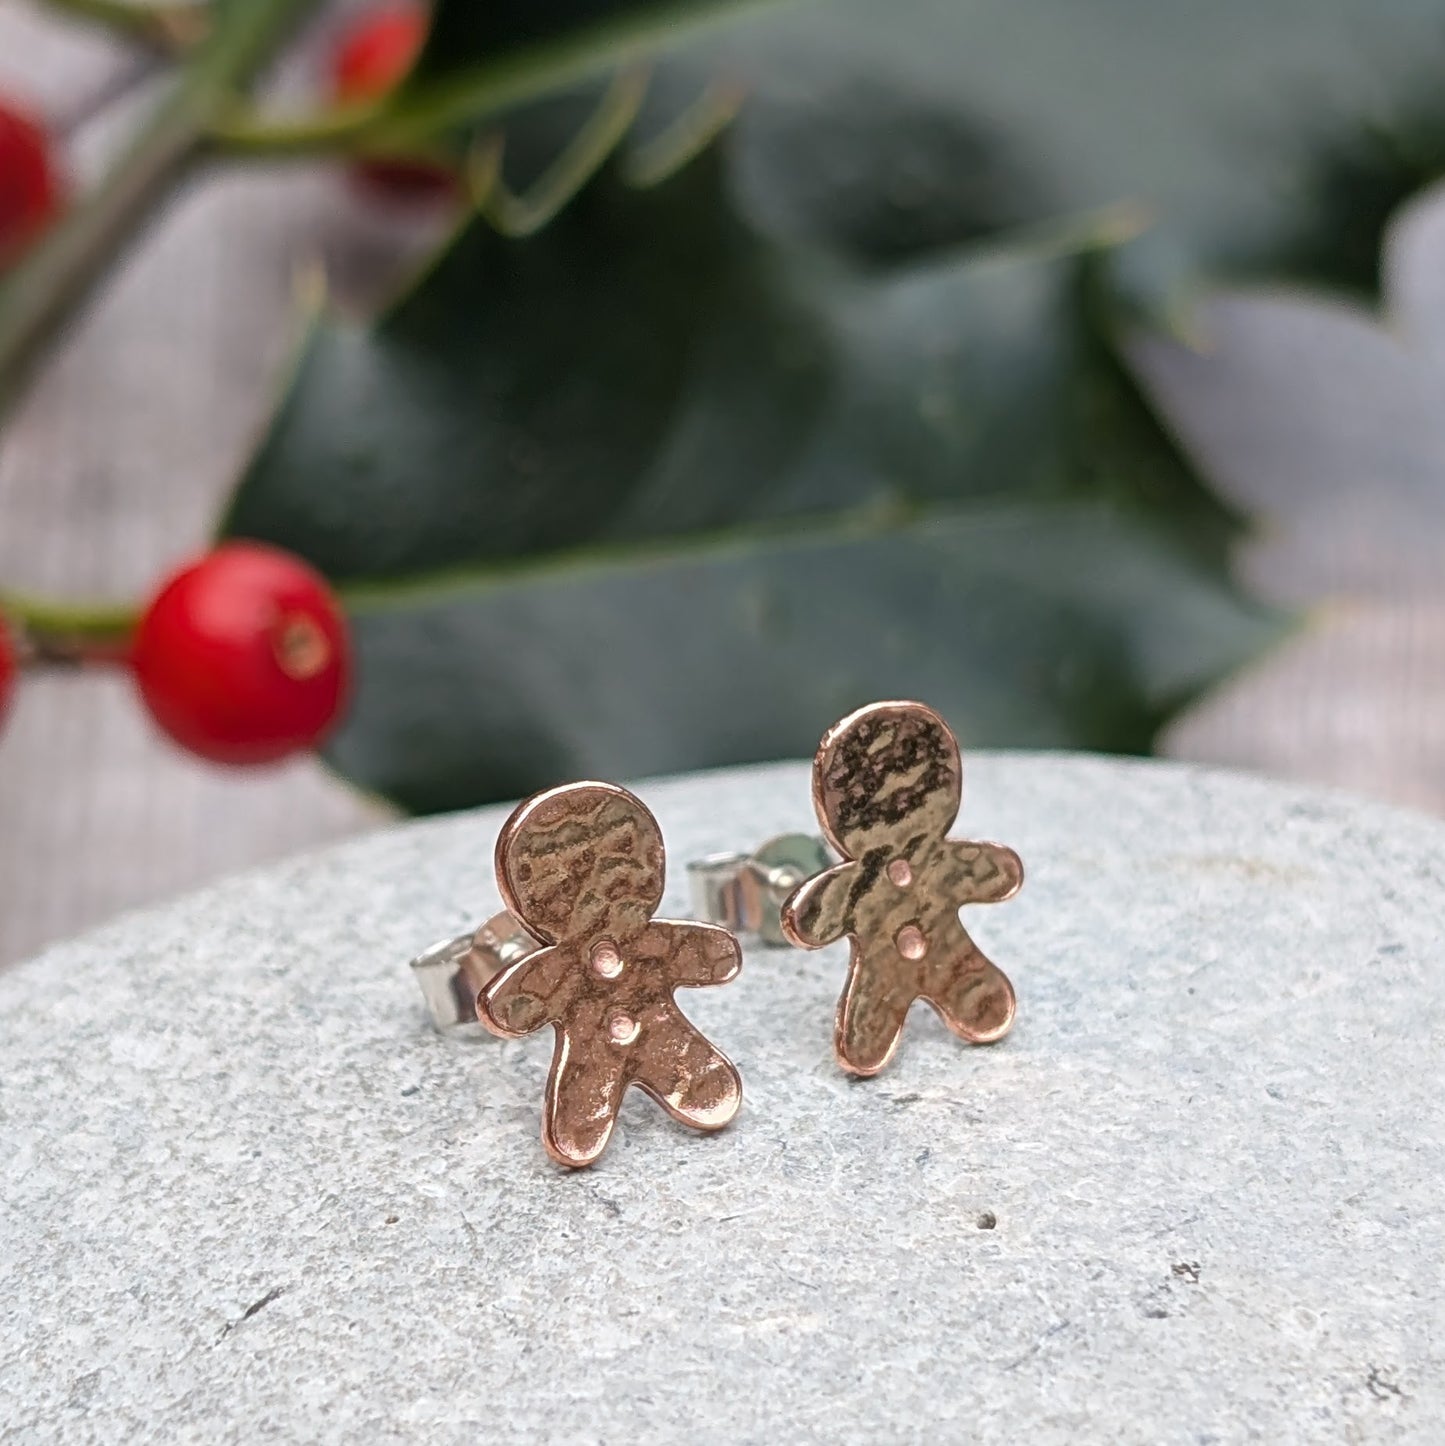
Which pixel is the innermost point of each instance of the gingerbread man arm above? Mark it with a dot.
(820, 911)
(529, 993)
(698, 954)
(983, 873)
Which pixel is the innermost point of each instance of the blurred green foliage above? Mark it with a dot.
(841, 408)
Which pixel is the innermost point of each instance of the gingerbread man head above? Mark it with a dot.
(582, 863)
(887, 777)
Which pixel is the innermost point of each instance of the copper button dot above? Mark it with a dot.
(911, 943)
(900, 872)
(622, 1028)
(606, 959)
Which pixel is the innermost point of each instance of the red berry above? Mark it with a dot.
(377, 50)
(7, 669)
(30, 190)
(375, 54)
(243, 655)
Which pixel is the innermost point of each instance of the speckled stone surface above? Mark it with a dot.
(1196, 1196)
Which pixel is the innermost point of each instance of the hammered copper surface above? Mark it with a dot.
(887, 784)
(582, 869)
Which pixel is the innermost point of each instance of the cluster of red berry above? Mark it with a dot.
(371, 58)
(241, 657)
(372, 55)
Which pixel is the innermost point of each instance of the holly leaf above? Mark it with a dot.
(648, 367)
(1037, 625)
(1260, 136)
(648, 491)
(1263, 138)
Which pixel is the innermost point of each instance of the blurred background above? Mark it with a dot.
(1077, 368)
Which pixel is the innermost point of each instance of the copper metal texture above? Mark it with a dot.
(581, 868)
(887, 784)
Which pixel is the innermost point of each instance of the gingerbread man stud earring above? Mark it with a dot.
(580, 870)
(887, 784)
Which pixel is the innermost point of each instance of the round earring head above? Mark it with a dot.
(582, 861)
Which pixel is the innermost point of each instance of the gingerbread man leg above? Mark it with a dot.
(583, 1093)
(685, 1073)
(871, 1014)
(971, 993)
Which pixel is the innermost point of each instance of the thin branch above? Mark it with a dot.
(242, 132)
(431, 106)
(40, 295)
(49, 632)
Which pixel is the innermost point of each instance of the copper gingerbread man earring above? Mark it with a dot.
(581, 869)
(887, 784)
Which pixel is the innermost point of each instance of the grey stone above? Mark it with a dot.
(1195, 1196)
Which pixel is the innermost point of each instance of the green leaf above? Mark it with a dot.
(647, 367)
(1261, 136)
(1041, 625)
(1275, 136)
(530, 389)
(647, 491)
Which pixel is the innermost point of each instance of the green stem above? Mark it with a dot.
(169, 27)
(42, 294)
(432, 105)
(50, 631)
(244, 133)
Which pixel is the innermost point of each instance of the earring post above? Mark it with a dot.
(451, 974)
(745, 892)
